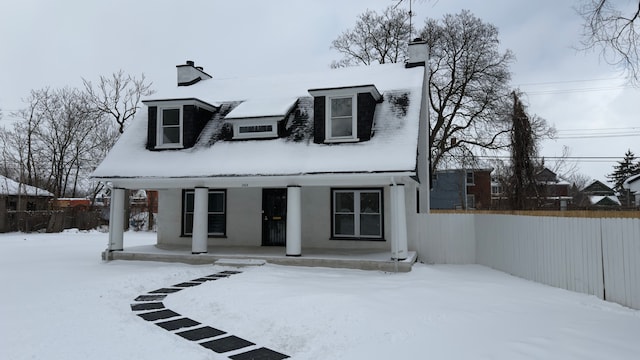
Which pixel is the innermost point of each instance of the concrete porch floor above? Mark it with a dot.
(364, 259)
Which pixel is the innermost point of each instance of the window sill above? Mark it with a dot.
(335, 141)
(208, 236)
(169, 147)
(342, 238)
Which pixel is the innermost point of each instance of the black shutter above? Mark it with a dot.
(319, 119)
(366, 110)
(188, 126)
(152, 127)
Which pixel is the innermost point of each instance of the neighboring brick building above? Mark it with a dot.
(461, 189)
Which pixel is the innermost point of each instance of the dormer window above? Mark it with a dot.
(259, 118)
(169, 127)
(341, 121)
(176, 123)
(344, 114)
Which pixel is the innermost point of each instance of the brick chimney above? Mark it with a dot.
(189, 74)
(418, 53)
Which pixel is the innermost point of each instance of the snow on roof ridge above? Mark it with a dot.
(383, 76)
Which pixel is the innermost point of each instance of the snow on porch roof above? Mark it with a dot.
(393, 147)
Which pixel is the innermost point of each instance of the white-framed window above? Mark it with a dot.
(255, 128)
(169, 127)
(248, 129)
(357, 214)
(216, 216)
(470, 178)
(341, 119)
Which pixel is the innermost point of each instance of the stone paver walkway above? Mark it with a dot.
(208, 337)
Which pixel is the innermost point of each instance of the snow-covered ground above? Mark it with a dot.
(58, 300)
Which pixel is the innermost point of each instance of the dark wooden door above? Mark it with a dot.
(274, 217)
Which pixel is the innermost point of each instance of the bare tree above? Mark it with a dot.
(376, 38)
(57, 141)
(612, 27)
(524, 151)
(469, 92)
(118, 96)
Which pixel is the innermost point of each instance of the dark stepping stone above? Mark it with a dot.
(177, 324)
(150, 297)
(204, 279)
(187, 284)
(201, 333)
(147, 306)
(218, 276)
(157, 315)
(259, 354)
(164, 291)
(230, 272)
(228, 343)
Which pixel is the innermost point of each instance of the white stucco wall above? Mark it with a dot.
(244, 219)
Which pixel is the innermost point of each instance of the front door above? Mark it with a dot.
(274, 217)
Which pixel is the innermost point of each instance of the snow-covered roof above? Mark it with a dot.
(262, 107)
(595, 199)
(392, 148)
(632, 179)
(12, 187)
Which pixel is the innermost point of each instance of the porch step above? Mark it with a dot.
(240, 262)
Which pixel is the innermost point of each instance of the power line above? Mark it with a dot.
(568, 81)
(597, 136)
(601, 129)
(577, 90)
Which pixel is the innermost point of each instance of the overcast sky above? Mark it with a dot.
(57, 43)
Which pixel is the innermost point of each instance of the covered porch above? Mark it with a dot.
(364, 221)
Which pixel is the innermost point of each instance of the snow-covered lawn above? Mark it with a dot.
(58, 300)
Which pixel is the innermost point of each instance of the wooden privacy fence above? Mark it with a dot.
(597, 256)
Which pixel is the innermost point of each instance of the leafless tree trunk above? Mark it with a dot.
(469, 89)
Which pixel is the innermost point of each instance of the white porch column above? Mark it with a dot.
(294, 221)
(116, 220)
(200, 220)
(399, 248)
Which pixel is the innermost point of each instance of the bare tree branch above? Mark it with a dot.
(613, 29)
(118, 96)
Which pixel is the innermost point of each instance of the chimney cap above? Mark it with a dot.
(190, 63)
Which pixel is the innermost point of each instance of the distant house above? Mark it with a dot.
(331, 160)
(633, 185)
(553, 191)
(550, 193)
(15, 198)
(461, 189)
(597, 195)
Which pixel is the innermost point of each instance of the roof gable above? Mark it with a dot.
(598, 188)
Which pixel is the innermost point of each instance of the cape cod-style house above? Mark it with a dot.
(326, 160)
